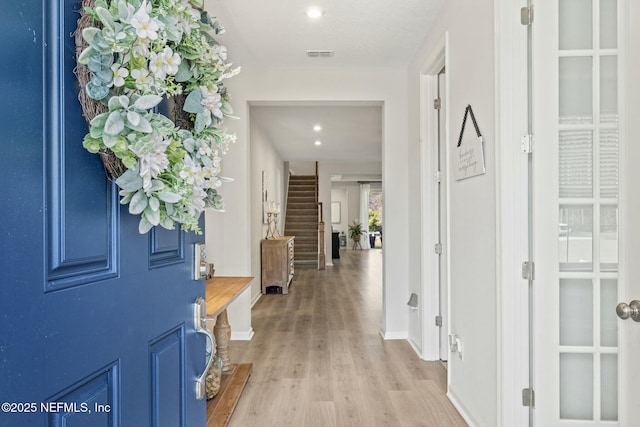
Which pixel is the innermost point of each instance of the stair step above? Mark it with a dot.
(295, 214)
(302, 220)
(301, 199)
(302, 231)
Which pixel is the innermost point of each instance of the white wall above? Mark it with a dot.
(264, 158)
(473, 383)
(266, 86)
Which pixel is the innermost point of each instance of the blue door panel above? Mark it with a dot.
(93, 401)
(167, 247)
(82, 207)
(167, 371)
(86, 302)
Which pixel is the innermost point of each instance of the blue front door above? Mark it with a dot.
(96, 321)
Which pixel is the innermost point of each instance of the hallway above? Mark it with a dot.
(318, 358)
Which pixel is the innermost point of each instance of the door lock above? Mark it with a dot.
(201, 268)
(631, 310)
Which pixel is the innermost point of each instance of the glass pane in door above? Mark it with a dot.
(609, 238)
(608, 318)
(609, 387)
(575, 238)
(576, 322)
(609, 163)
(576, 163)
(575, 24)
(576, 89)
(576, 386)
(609, 89)
(608, 24)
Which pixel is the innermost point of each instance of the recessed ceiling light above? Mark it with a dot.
(314, 13)
(317, 128)
(318, 142)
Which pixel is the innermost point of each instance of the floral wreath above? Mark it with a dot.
(133, 54)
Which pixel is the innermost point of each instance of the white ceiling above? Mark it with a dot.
(349, 133)
(362, 33)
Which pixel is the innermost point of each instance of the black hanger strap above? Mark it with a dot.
(468, 111)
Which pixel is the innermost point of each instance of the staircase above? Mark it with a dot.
(301, 219)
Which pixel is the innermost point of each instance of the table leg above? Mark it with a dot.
(222, 331)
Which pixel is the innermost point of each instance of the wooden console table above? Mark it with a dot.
(219, 293)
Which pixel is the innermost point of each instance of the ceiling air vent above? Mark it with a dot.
(319, 53)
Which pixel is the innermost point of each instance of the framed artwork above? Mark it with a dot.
(335, 213)
(265, 196)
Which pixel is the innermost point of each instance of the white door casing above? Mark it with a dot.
(443, 216)
(430, 265)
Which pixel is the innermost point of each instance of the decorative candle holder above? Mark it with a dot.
(270, 219)
(276, 232)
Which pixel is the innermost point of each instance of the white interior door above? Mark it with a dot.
(583, 201)
(442, 218)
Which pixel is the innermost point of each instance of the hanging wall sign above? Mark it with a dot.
(469, 159)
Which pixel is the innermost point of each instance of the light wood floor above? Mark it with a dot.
(319, 361)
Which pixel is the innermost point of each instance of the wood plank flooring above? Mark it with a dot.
(319, 361)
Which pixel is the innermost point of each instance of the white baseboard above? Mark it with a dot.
(397, 335)
(471, 422)
(242, 335)
(415, 347)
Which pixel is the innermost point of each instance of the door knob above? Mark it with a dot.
(631, 310)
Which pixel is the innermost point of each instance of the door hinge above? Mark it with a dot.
(528, 397)
(439, 321)
(438, 248)
(526, 143)
(437, 177)
(528, 270)
(526, 15)
(437, 103)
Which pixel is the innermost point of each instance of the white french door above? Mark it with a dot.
(583, 208)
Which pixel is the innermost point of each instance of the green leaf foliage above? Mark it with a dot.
(138, 203)
(114, 124)
(130, 181)
(147, 102)
(193, 103)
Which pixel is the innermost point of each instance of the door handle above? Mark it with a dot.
(631, 310)
(199, 324)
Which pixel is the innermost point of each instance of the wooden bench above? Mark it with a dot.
(219, 293)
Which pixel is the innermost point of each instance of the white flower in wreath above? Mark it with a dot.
(141, 47)
(212, 102)
(190, 171)
(197, 202)
(119, 74)
(152, 159)
(156, 65)
(171, 61)
(143, 80)
(205, 150)
(186, 24)
(145, 25)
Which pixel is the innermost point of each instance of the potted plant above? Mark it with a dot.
(355, 231)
